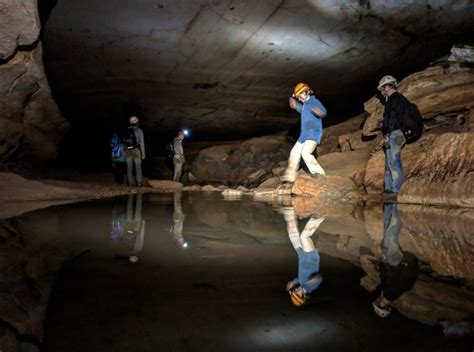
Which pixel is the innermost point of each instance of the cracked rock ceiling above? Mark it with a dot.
(226, 68)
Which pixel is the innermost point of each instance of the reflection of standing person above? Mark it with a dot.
(312, 112)
(128, 232)
(309, 278)
(398, 269)
(178, 220)
(178, 157)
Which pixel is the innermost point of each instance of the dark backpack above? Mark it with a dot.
(130, 139)
(412, 124)
(169, 150)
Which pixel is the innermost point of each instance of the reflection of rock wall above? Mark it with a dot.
(430, 301)
(27, 272)
(30, 123)
(440, 237)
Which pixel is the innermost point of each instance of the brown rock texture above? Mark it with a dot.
(165, 184)
(437, 169)
(19, 25)
(325, 188)
(435, 91)
(32, 125)
(330, 142)
(247, 163)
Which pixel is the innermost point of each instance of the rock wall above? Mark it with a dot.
(31, 125)
(248, 163)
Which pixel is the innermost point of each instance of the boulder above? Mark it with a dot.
(437, 171)
(247, 163)
(330, 140)
(165, 184)
(435, 91)
(349, 164)
(325, 188)
(272, 182)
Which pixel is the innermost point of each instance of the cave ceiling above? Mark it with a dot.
(225, 69)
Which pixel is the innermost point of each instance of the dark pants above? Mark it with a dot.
(118, 169)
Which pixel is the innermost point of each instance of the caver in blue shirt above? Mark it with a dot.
(308, 270)
(311, 124)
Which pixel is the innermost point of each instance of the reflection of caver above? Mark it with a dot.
(130, 238)
(309, 278)
(178, 220)
(398, 270)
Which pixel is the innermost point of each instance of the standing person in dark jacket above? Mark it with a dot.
(178, 157)
(134, 152)
(394, 139)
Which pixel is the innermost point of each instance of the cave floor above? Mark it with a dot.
(210, 275)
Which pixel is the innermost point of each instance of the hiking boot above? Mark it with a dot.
(287, 179)
(390, 195)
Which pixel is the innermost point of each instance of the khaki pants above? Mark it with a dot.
(302, 150)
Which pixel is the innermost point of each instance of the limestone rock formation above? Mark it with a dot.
(31, 125)
(226, 69)
(19, 25)
(165, 185)
(247, 163)
(331, 141)
(437, 170)
(325, 188)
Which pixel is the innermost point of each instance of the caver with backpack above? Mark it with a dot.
(118, 158)
(402, 123)
(134, 144)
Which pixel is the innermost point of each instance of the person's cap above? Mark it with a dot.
(387, 80)
(133, 120)
(381, 312)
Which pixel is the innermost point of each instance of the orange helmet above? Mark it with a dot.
(300, 88)
(297, 299)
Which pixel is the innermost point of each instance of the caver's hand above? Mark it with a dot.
(292, 102)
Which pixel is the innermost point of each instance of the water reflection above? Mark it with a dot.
(308, 278)
(398, 269)
(178, 220)
(420, 259)
(128, 228)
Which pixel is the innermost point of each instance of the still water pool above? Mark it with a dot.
(196, 272)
